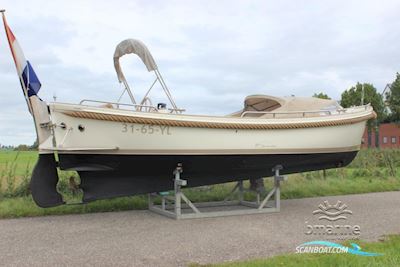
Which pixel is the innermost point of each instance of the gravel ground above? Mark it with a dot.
(142, 238)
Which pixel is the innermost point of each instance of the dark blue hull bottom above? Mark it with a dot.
(108, 176)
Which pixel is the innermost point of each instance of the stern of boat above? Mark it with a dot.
(43, 184)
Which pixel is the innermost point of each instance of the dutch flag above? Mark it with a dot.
(29, 81)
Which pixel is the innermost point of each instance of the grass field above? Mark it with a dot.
(20, 160)
(371, 171)
(389, 246)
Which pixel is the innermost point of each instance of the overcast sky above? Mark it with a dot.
(211, 53)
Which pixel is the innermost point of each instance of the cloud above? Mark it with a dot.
(211, 54)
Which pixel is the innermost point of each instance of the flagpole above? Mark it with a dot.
(28, 102)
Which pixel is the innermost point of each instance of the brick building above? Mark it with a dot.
(388, 136)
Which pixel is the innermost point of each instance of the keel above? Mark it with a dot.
(44, 182)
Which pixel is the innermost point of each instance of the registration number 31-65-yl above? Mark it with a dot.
(145, 129)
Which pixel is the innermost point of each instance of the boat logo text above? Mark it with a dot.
(332, 220)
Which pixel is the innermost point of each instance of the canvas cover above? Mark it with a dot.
(262, 103)
(133, 46)
(286, 107)
(307, 104)
(287, 104)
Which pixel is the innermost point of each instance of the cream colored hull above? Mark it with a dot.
(83, 135)
(121, 153)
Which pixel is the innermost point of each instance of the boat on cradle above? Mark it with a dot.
(127, 149)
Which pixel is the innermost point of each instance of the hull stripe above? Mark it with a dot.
(117, 151)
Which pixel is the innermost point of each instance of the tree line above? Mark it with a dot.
(387, 106)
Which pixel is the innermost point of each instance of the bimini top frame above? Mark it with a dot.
(133, 46)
